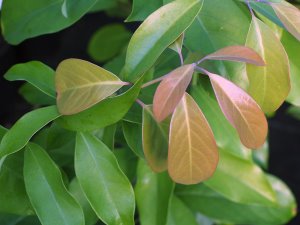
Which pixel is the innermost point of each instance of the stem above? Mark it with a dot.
(180, 56)
(154, 81)
(201, 60)
(250, 8)
(142, 104)
(202, 70)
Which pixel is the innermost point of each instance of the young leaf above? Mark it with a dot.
(237, 54)
(153, 192)
(81, 84)
(36, 73)
(102, 115)
(171, 90)
(241, 111)
(46, 190)
(193, 153)
(155, 141)
(289, 16)
(268, 85)
(21, 132)
(156, 33)
(104, 184)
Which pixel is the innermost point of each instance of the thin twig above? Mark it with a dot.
(142, 104)
(154, 81)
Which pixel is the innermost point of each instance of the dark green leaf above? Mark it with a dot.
(133, 136)
(140, 10)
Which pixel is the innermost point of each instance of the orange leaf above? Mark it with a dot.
(241, 111)
(238, 54)
(289, 16)
(171, 90)
(193, 153)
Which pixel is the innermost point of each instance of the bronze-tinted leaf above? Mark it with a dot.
(171, 90)
(289, 16)
(193, 154)
(81, 84)
(237, 54)
(241, 111)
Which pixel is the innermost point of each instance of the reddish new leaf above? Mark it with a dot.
(237, 54)
(241, 111)
(289, 16)
(193, 153)
(171, 90)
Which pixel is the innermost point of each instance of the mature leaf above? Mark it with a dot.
(22, 131)
(46, 190)
(156, 33)
(202, 199)
(13, 195)
(140, 10)
(241, 181)
(193, 153)
(36, 73)
(102, 115)
(155, 141)
(241, 111)
(292, 47)
(268, 85)
(237, 54)
(177, 44)
(81, 84)
(108, 41)
(11, 219)
(289, 16)
(133, 136)
(171, 90)
(153, 193)
(104, 184)
(179, 213)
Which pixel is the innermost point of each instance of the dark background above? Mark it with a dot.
(72, 42)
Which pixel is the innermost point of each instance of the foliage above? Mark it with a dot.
(108, 145)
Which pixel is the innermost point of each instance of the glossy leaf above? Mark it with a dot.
(46, 190)
(155, 141)
(177, 44)
(36, 73)
(202, 199)
(156, 33)
(81, 84)
(171, 90)
(133, 136)
(237, 54)
(268, 85)
(140, 11)
(231, 181)
(104, 184)
(153, 193)
(193, 153)
(241, 111)
(108, 41)
(23, 130)
(289, 15)
(102, 115)
(179, 213)
(31, 18)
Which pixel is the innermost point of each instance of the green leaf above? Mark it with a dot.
(11, 219)
(36, 73)
(46, 190)
(22, 131)
(81, 84)
(268, 85)
(104, 184)
(292, 47)
(13, 195)
(156, 33)
(241, 181)
(225, 135)
(202, 199)
(89, 214)
(133, 136)
(179, 213)
(153, 193)
(102, 115)
(155, 140)
(31, 18)
(140, 11)
(108, 41)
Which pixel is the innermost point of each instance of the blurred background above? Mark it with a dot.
(72, 43)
